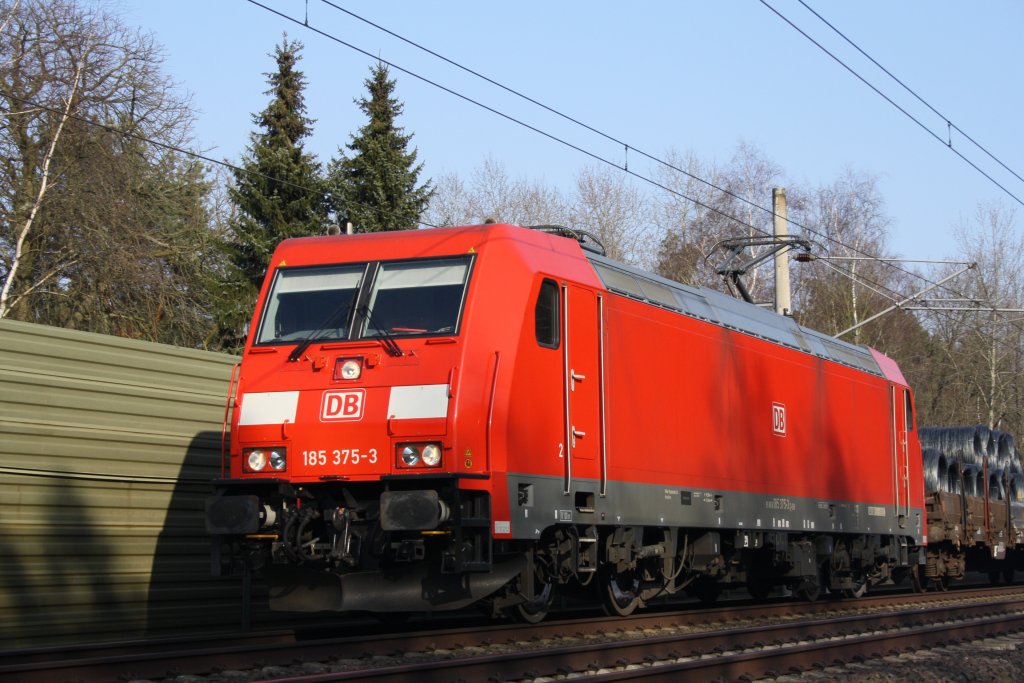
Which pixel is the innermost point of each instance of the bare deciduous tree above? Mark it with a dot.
(983, 350)
(726, 206)
(44, 184)
(99, 229)
(493, 196)
(845, 285)
(607, 205)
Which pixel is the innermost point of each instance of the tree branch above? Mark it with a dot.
(5, 305)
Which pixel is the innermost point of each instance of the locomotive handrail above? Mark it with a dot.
(224, 424)
(601, 393)
(566, 389)
(490, 406)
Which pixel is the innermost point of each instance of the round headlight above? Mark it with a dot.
(277, 460)
(257, 460)
(410, 456)
(351, 369)
(431, 455)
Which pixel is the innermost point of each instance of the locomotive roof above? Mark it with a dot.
(720, 309)
(697, 302)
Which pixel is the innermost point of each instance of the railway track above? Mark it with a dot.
(727, 642)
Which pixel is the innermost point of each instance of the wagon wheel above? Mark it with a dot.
(620, 591)
(1002, 572)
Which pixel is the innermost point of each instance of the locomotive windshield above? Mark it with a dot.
(417, 297)
(399, 298)
(308, 301)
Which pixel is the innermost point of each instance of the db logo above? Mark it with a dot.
(342, 405)
(779, 419)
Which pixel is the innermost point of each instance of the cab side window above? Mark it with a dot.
(545, 315)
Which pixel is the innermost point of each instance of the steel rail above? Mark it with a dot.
(154, 659)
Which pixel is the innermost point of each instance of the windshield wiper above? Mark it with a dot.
(385, 337)
(330, 322)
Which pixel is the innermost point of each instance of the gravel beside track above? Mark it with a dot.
(989, 660)
(573, 647)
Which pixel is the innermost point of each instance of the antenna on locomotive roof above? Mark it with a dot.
(587, 240)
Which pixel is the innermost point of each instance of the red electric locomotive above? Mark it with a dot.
(493, 414)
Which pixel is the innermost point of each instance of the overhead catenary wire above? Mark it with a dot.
(888, 99)
(910, 90)
(506, 116)
(597, 157)
(239, 169)
(627, 146)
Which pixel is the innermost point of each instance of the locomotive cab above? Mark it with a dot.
(342, 456)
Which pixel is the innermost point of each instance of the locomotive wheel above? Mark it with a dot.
(392, 619)
(914, 573)
(538, 601)
(808, 590)
(706, 590)
(620, 592)
(861, 583)
(534, 611)
(759, 589)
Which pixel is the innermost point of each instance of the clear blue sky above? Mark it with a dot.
(687, 75)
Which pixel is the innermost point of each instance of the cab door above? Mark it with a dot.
(583, 387)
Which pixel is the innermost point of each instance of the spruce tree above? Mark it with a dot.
(278, 191)
(374, 186)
